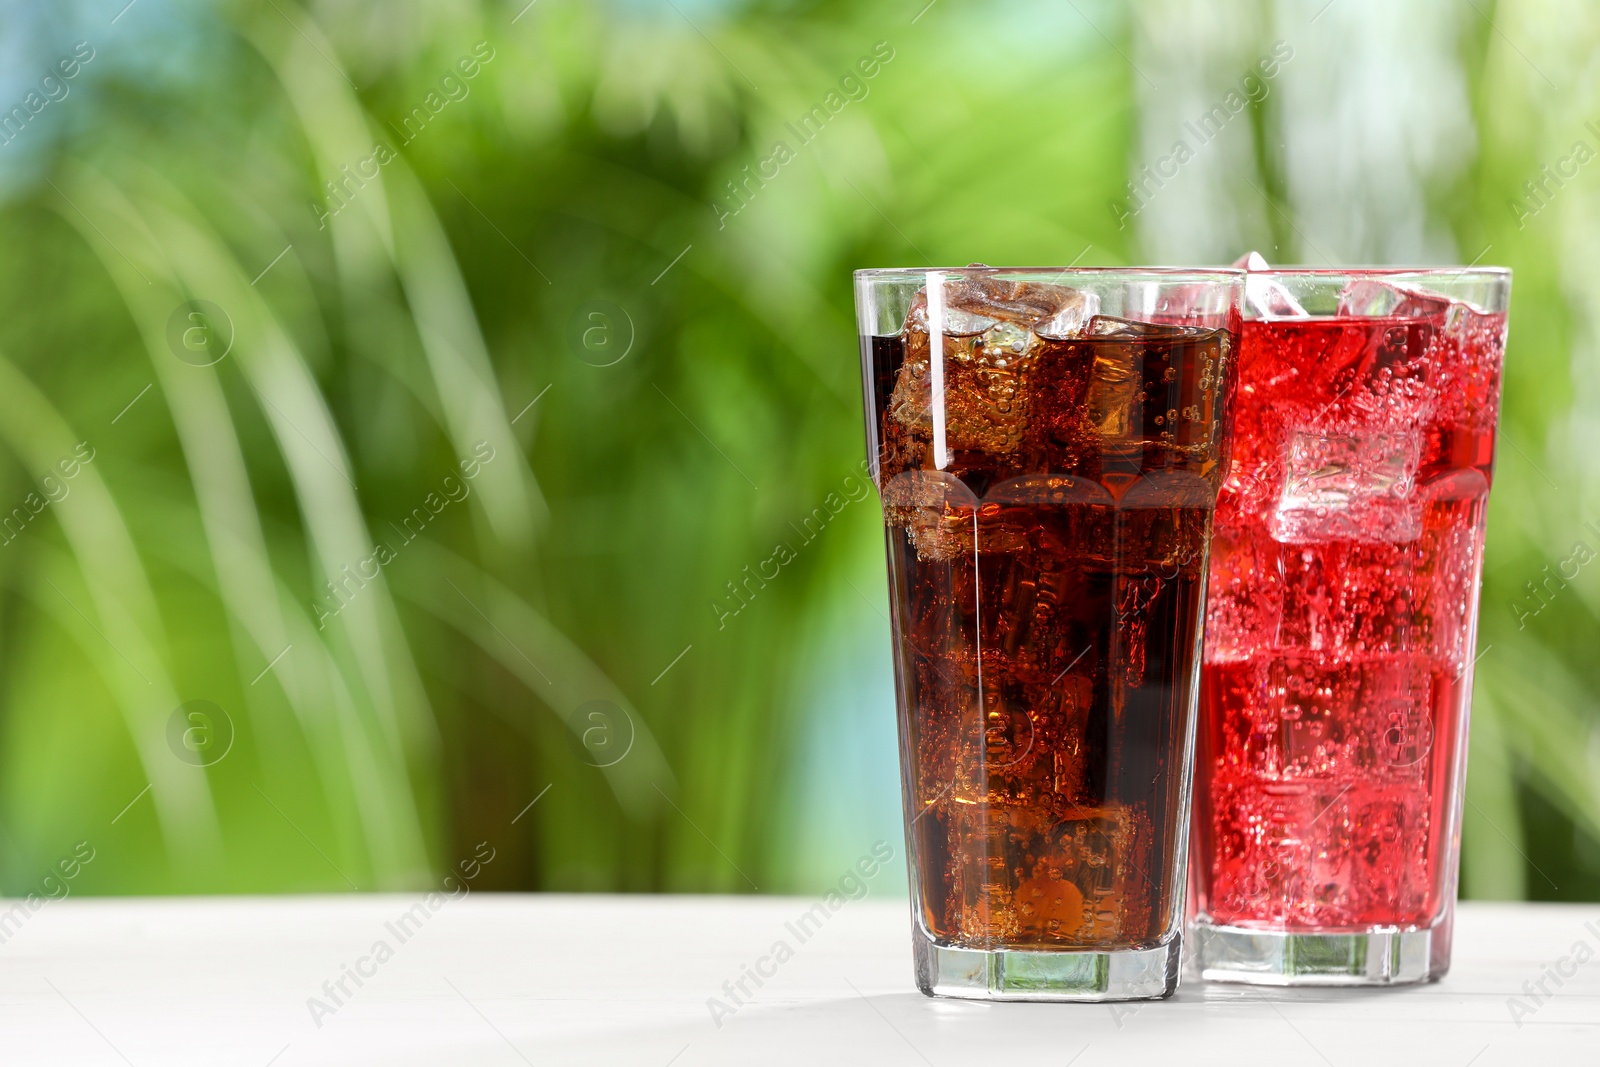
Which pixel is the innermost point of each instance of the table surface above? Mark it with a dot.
(494, 979)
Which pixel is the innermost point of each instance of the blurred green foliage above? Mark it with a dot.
(561, 630)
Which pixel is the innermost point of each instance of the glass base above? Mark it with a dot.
(1370, 958)
(1020, 974)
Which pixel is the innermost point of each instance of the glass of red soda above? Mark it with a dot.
(1340, 625)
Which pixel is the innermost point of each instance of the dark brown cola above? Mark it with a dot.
(1048, 476)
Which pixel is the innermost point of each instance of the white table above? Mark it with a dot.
(511, 979)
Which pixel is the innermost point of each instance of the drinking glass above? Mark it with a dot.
(1048, 445)
(1341, 621)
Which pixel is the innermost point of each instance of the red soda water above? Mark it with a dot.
(1342, 612)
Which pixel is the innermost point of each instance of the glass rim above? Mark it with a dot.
(1220, 274)
(1380, 271)
(1216, 273)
